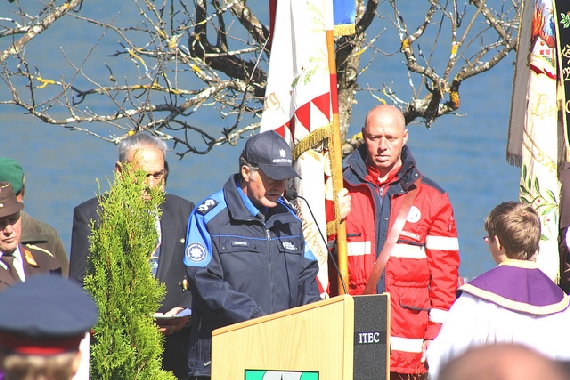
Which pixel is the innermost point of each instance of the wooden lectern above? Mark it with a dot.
(339, 338)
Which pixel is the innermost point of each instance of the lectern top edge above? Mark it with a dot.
(292, 311)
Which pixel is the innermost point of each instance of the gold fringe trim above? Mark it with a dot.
(332, 226)
(314, 138)
(311, 140)
(344, 30)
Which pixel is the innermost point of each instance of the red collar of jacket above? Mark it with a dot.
(373, 175)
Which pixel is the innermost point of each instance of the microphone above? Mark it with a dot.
(291, 195)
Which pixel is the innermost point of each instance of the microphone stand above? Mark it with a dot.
(291, 195)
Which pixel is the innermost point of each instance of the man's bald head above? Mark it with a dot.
(503, 362)
(385, 134)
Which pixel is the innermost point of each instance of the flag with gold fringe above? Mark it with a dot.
(300, 101)
(344, 17)
(536, 140)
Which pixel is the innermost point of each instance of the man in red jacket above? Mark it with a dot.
(422, 266)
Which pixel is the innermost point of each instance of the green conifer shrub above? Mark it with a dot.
(126, 344)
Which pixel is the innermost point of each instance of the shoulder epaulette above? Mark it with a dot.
(206, 206)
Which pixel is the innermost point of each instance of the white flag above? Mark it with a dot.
(534, 130)
(298, 105)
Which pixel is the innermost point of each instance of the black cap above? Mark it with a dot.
(45, 315)
(272, 154)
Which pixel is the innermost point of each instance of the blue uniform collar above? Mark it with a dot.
(247, 202)
(241, 207)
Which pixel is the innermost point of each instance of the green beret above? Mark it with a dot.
(11, 171)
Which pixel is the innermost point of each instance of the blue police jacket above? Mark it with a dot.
(242, 264)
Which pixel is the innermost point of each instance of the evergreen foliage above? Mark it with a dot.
(126, 342)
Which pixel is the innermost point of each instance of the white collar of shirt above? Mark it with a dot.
(159, 230)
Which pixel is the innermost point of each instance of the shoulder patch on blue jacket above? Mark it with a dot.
(206, 206)
(197, 255)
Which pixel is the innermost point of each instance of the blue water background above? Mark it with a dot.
(465, 154)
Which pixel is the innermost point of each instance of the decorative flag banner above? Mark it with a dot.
(299, 104)
(563, 10)
(344, 17)
(535, 141)
(563, 29)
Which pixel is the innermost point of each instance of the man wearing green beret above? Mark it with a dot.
(35, 233)
(18, 262)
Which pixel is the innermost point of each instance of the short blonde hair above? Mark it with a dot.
(517, 226)
(38, 367)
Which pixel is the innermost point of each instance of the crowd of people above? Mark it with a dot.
(240, 254)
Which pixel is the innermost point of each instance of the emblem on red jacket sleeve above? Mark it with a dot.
(414, 215)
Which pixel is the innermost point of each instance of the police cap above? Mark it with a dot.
(45, 315)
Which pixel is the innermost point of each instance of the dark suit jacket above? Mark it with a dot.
(42, 263)
(171, 270)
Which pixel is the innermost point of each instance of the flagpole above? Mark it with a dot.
(336, 166)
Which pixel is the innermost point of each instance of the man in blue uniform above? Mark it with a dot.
(245, 251)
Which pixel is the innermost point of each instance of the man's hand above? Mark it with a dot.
(169, 325)
(344, 203)
(425, 346)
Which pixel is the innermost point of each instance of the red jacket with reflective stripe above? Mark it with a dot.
(421, 274)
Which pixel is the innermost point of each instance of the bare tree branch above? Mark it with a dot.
(181, 61)
(36, 26)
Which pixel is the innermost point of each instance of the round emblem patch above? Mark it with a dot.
(196, 252)
(414, 215)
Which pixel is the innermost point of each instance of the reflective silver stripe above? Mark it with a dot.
(358, 248)
(437, 315)
(442, 243)
(408, 251)
(407, 345)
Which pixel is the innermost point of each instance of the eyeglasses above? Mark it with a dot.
(486, 239)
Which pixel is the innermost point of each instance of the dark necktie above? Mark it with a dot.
(8, 260)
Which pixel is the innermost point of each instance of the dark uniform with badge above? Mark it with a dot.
(46, 316)
(244, 262)
(36, 235)
(13, 254)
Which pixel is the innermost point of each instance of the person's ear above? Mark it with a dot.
(77, 361)
(246, 173)
(119, 166)
(500, 246)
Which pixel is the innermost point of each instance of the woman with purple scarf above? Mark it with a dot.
(514, 303)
